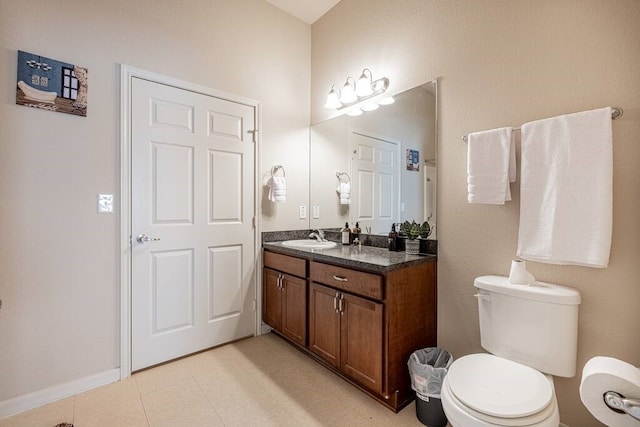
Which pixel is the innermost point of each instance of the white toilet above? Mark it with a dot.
(532, 333)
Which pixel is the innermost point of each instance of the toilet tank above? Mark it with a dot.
(536, 325)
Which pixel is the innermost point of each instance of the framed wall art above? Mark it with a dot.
(413, 160)
(49, 84)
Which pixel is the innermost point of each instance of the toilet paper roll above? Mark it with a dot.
(603, 374)
(519, 274)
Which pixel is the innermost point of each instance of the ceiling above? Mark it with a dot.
(308, 11)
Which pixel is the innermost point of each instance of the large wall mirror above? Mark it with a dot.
(388, 156)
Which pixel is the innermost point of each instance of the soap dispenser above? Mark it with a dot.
(346, 234)
(393, 238)
(356, 234)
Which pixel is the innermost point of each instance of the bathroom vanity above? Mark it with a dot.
(360, 311)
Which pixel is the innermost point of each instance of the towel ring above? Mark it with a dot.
(340, 174)
(275, 169)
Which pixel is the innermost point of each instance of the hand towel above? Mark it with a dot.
(344, 188)
(566, 200)
(277, 189)
(491, 166)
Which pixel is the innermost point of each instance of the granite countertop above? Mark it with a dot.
(367, 258)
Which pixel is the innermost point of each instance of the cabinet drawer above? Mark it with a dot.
(285, 263)
(357, 282)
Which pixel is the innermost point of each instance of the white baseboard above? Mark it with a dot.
(51, 394)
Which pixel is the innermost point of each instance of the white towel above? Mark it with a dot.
(566, 199)
(344, 188)
(491, 166)
(277, 189)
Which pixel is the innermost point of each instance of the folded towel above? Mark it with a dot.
(277, 189)
(491, 166)
(344, 188)
(566, 199)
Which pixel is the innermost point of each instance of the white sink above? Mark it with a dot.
(309, 244)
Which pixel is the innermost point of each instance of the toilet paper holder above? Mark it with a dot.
(618, 403)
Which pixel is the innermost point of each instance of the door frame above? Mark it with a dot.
(127, 73)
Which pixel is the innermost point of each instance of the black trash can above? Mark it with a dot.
(428, 368)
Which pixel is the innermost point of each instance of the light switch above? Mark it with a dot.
(316, 212)
(105, 203)
(303, 212)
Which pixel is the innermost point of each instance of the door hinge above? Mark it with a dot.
(253, 222)
(253, 132)
(255, 305)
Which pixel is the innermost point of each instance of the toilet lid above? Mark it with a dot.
(498, 387)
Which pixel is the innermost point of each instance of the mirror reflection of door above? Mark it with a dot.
(375, 168)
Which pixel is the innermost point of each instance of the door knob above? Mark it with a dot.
(143, 238)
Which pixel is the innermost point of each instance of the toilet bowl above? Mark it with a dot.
(483, 390)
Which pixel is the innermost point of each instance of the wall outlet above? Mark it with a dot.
(316, 212)
(303, 212)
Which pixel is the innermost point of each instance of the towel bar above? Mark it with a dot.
(616, 113)
(275, 169)
(340, 174)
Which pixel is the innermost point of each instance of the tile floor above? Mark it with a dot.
(260, 381)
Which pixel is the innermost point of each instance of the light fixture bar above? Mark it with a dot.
(379, 86)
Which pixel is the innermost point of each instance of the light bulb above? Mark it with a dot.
(364, 84)
(354, 112)
(387, 101)
(333, 100)
(348, 92)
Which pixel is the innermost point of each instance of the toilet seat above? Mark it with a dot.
(499, 391)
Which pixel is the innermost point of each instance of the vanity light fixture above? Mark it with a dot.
(357, 92)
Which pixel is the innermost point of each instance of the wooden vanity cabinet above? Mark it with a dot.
(363, 324)
(285, 296)
(346, 331)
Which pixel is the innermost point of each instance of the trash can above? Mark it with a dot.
(428, 368)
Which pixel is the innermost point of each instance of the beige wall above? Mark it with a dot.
(59, 260)
(505, 63)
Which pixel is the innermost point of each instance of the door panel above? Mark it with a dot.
(227, 182)
(294, 316)
(361, 346)
(172, 183)
(172, 290)
(225, 285)
(324, 324)
(272, 299)
(193, 189)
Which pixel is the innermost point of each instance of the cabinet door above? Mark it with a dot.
(361, 342)
(272, 299)
(294, 309)
(324, 323)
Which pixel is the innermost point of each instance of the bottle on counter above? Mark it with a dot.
(356, 232)
(393, 238)
(346, 234)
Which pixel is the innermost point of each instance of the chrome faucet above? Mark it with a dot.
(318, 235)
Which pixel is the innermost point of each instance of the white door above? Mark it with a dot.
(192, 161)
(375, 168)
